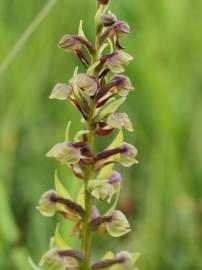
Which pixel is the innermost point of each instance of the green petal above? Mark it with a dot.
(119, 225)
(61, 91)
(65, 153)
(115, 68)
(119, 120)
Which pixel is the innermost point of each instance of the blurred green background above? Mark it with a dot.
(162, 196)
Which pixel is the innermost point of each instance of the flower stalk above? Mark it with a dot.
(91, 92)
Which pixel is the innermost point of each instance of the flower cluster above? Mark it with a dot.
(97, 93)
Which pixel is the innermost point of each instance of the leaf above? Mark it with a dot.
(59, 187)
(110, 108)
(80, 198)
(81, 32)
(59, 241)
(67, 132)
(115, 203)
(106, 171)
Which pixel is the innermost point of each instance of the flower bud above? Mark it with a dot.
(87, 84)
(108, 19)
(128, 155)
(122, 85)
(56, 259)
(119, 120)
(127, 259)
(101, 190)
(53, 260)
(73, 43)
(65, 152)
(47, 203)
(119, 84)
(121, 28)
(61, 91)
(118, 225)
(50, 202)
(116, 60)
(70, 43)
(123, 260)
(115, 178)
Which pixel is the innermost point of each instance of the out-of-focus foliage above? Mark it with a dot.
(163, 194)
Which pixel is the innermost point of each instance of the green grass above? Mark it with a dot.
(163, 194)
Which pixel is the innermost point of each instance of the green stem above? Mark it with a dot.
(87, 234)
(89, 174)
